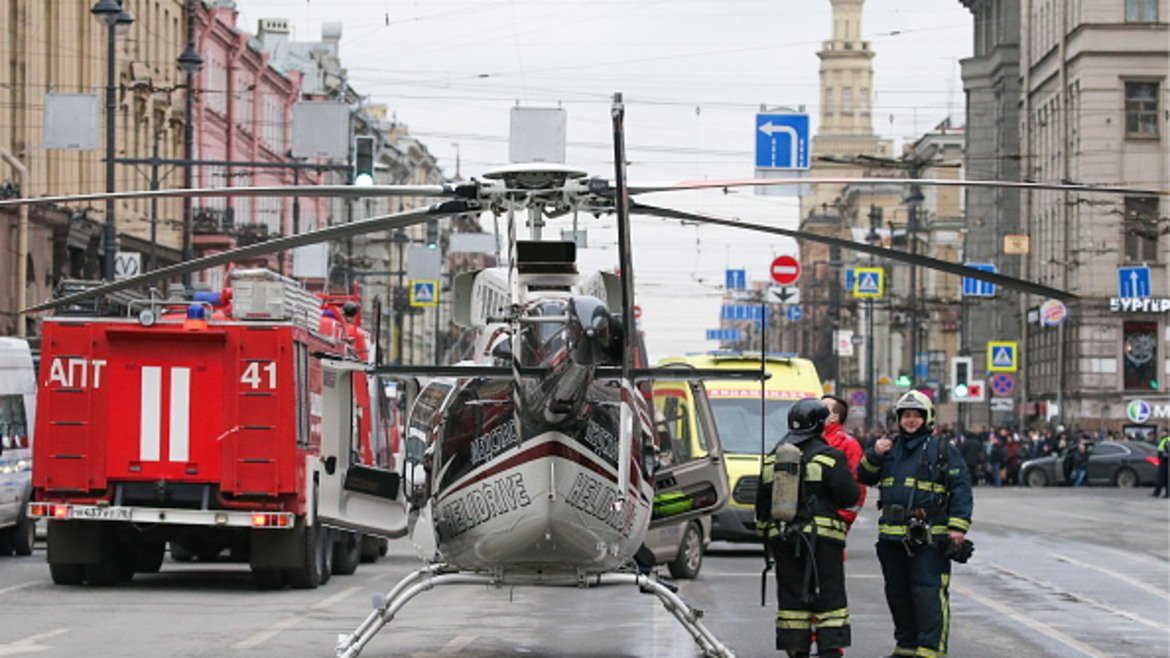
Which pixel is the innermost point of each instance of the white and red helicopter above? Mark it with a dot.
(540, 465)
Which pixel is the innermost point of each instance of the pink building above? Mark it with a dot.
(243, 114)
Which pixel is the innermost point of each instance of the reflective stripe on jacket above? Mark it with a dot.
(827, 485)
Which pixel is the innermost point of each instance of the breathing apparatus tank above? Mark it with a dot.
(786, 482)
(806, 419)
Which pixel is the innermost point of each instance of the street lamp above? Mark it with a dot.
(110, 14)
(189, 63)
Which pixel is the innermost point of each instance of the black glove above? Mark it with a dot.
(960, 553)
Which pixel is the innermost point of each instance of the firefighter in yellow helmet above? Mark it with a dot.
(806, 536)
(925, 501)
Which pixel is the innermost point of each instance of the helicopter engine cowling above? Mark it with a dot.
(569, 336)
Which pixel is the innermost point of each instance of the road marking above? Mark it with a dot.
(1079, 598)
(1113, 574)
(13, 588)
(29, 644)
(1038, 626)
(340, 596)
(256, 639)
(458, 644)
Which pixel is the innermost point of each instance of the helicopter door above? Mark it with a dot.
(690, 479)
(351, 495)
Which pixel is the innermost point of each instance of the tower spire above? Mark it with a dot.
(846, 75)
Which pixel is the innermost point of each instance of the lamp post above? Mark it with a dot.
(111, 14)
(190, 63)
(913, 199)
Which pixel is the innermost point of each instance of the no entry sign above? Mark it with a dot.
(785, 270)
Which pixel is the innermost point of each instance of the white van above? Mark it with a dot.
(18, 386)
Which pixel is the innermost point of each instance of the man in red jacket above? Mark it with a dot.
(836, 436)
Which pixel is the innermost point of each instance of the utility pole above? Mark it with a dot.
(913, 199)
(875, 220)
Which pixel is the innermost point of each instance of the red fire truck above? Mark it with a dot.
(199, 423)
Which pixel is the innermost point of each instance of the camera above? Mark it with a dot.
(917, 533)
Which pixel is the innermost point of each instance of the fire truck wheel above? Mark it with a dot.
(326, 537)
(373, 548)
(180, 553)
(112, 570)
(308, 574)
(268, 578)
(67, 574)
(145, 556)
(347, 553)
(6, 540)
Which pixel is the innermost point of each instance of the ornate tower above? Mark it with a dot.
(846, 126)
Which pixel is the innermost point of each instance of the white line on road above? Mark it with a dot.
(1038, 626)
(1080, 598)
(272, 631)
(13, 588)
(29, 644)
(458, 644)
(1113, 574)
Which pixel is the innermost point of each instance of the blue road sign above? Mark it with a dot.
(794, 313)
(849, 278)
(735, 279)
(869, 282)
(424, 293)
(975, 287)
(1133, 281)
(723, 334)
(782, 141)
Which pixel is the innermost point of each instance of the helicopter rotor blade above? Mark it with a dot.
(881, 252)
(336, 232)
(871, 182)
(465, 190)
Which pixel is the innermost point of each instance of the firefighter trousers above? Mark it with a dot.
(917, 593)
(810, 588)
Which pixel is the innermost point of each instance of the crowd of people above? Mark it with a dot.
(994, 456)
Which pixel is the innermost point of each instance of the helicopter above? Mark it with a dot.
(542, 468)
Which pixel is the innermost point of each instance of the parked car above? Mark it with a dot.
(1112, 463)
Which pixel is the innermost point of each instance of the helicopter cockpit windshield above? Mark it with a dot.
(545, 340)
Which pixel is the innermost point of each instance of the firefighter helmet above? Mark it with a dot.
(806, 418)
(916, 400)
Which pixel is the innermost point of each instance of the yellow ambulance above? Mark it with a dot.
(735, 405)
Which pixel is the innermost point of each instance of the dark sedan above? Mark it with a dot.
(1114, 463)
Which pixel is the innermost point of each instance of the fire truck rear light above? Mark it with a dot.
(59, 511)
(221, 519)
(259, 520)
(272, 520)
(40, 510)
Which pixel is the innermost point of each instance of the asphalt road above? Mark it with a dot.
(1057, 573)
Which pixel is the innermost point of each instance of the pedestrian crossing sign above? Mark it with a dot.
(424, 292)
(869, 282)
(1002, 356)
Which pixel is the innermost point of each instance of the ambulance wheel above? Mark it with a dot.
(689, 560)
(268, 578)
(67, 574)
(308, 574)
(23, 535)
(347, 553)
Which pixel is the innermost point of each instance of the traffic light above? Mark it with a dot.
(965, 387)
(903, 380)
(363, 160)
(432, 234)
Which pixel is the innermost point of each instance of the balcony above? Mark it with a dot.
(210, 221)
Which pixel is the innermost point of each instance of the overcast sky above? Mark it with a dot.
(693, 73)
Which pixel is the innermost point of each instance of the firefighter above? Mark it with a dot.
(809, 548)
(925, 501)
(1162, 487)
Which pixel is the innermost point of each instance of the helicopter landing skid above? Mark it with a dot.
(386, 606)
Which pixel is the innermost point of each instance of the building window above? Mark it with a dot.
(1140, 352)
(1141, 109)
(1141, 229)
(1141, 11)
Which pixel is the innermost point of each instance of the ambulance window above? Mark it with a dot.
(13, 424)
